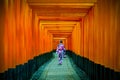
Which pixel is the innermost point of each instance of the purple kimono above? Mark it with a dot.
(60, 51)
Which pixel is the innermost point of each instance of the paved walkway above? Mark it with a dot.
(53, 71)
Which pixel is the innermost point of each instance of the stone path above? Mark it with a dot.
(53, 71)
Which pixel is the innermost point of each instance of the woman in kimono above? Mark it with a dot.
(60, 51)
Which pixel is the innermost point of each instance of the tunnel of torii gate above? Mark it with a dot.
(89, 29)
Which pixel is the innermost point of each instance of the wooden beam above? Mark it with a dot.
(53, 18)
(64, 5)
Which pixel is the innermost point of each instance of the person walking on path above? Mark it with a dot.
(60, 51)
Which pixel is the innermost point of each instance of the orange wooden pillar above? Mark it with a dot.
(2, 21)
(17, 34)
(35, 34)
(76, 38)
(82, 38)
(100, 30)
(69, 43)
(42, 38)
(105, 24)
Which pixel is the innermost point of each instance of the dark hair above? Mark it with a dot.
(61, 41)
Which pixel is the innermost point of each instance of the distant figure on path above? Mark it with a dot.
(60, 51)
